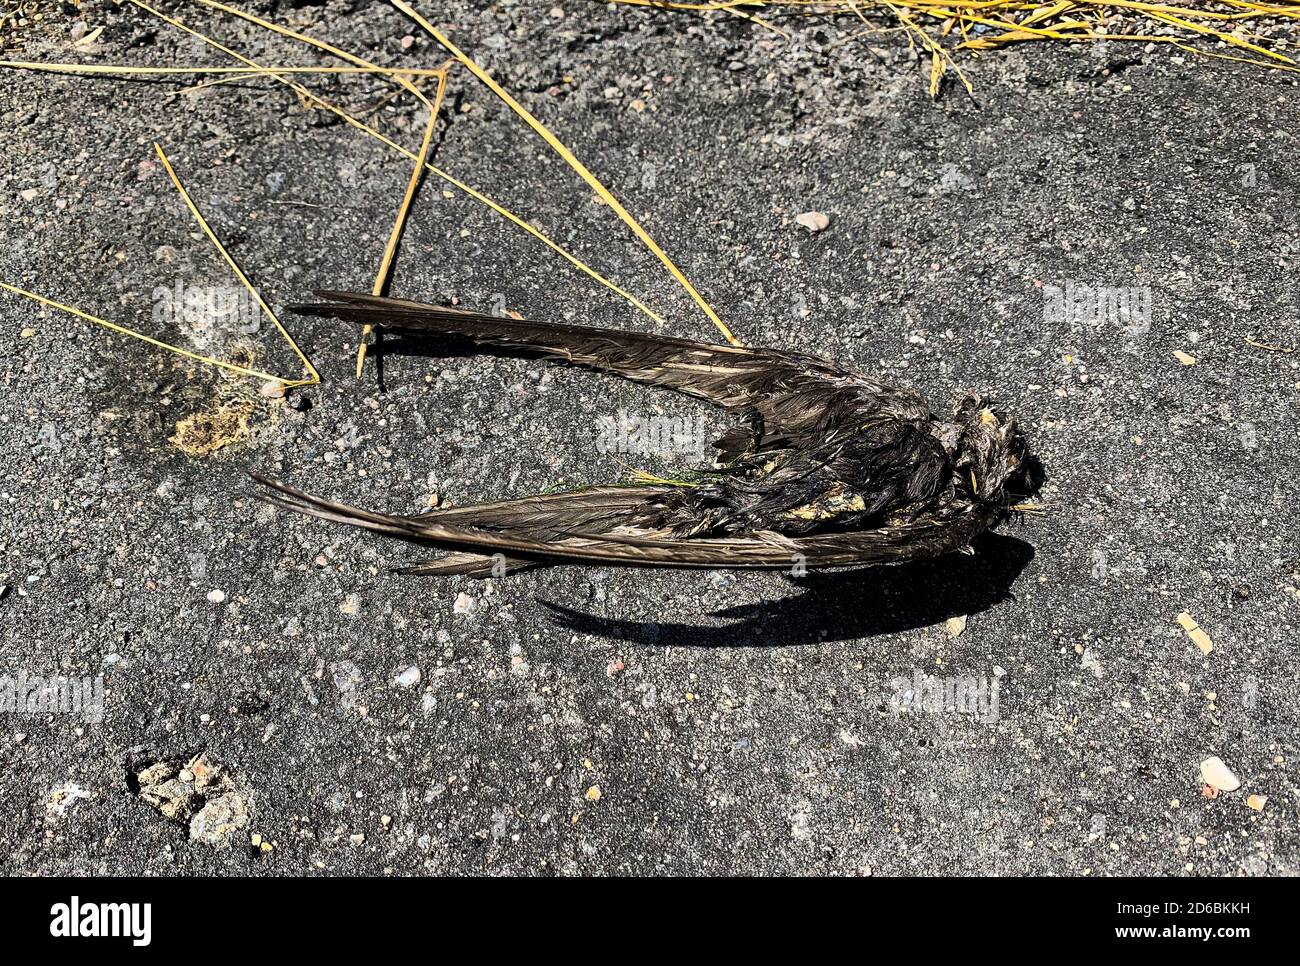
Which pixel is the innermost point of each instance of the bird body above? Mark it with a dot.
(830, 467)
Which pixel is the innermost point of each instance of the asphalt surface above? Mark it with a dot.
(584, 721)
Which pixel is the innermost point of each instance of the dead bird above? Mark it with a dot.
(829, 467)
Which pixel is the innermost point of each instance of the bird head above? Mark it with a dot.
(990, 457)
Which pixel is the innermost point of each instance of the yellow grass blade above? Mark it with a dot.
(239, 272)
(158, 343)
(385, 266)
(1220, 35)
(127, 71)
(421, 161)
(936, 73)
(1014, 21)
(760, 21)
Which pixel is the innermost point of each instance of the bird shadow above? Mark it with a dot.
(439, 346)
(839, 605)
(449, 345)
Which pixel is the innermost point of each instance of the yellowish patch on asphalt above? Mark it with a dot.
(229, 419)
(204, 433)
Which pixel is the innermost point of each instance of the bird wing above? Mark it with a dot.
(799, 397)
(473, 545)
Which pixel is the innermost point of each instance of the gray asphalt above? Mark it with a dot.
(581, 721)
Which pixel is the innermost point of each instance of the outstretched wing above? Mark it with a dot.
(800, 399)
(475, 544)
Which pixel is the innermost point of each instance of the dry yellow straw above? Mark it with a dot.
(206, 360)
(1068, 21)
(940, 59)
(239, 273)
(569, 158)
(761, 22)
(123, 330)
(385, 266)
(117, 69)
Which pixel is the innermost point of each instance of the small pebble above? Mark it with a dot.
(814, 221)
(1218, 775)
